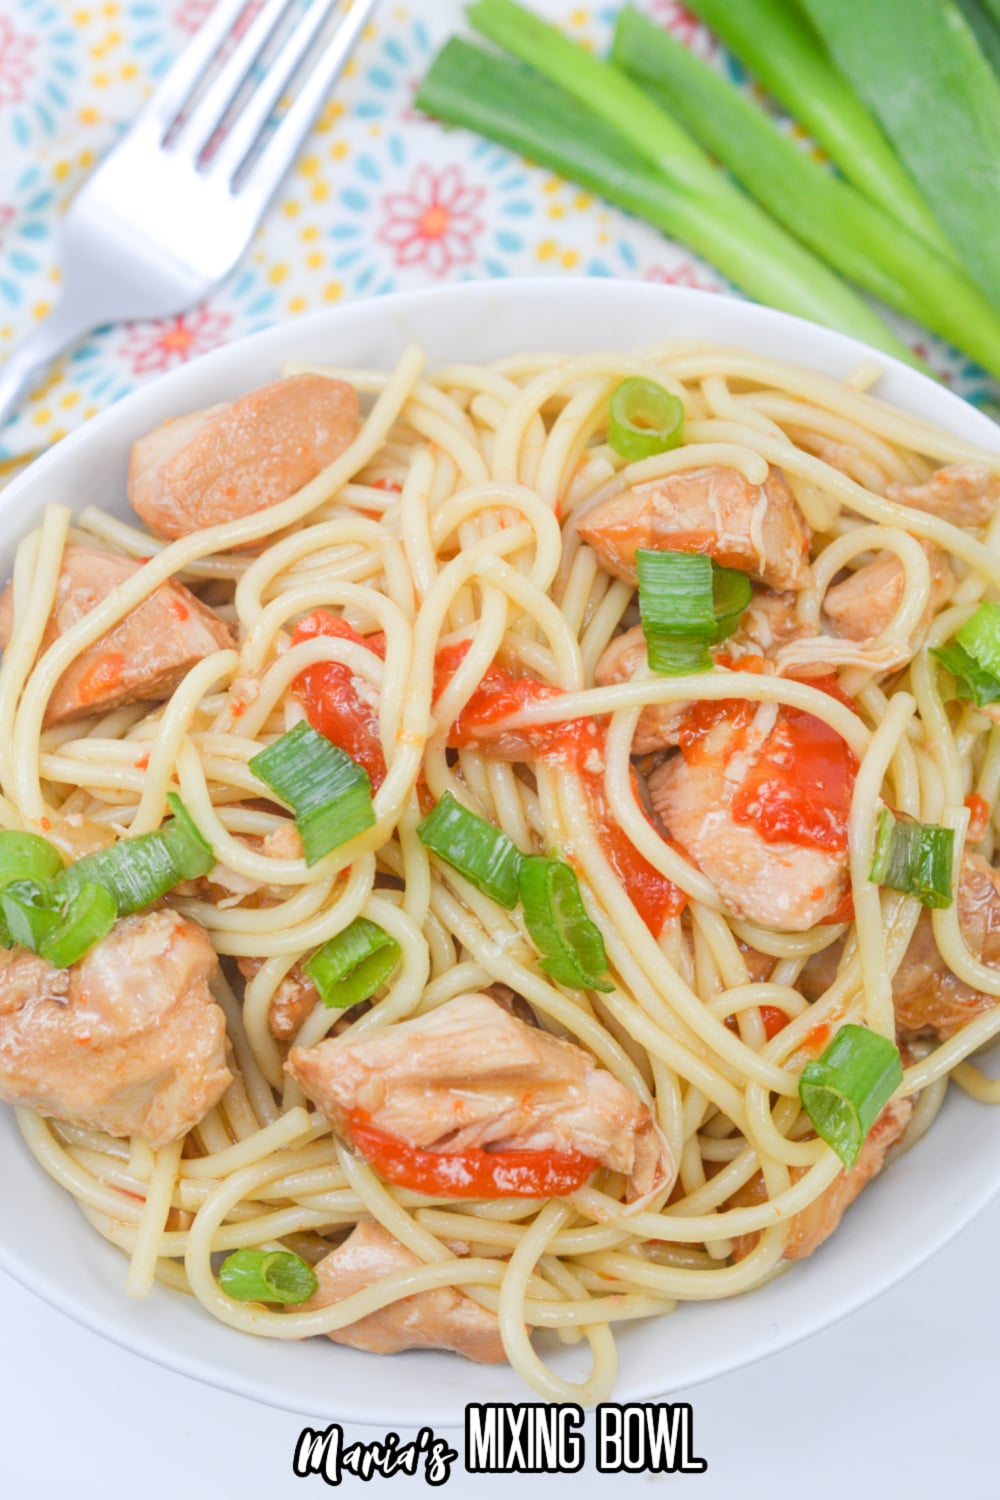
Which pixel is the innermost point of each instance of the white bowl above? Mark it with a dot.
(911, 1212)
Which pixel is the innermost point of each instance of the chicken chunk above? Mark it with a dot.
(230, 461)
(294, 1000)
(928, 998)
(862, 605)
(757, 528)
(816, 1223)
(128, 1040)
(142, 658)
(658, 724)
(965, 494)
(769, 623)
(469, 1075)
(444, 1318)
(784, 885)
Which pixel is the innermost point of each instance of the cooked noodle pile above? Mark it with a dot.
(452, 517)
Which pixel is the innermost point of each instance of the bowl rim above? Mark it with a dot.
(818, 346)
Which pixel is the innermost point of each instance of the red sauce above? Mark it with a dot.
(574, 742)
(799, 785)
(980, 811)
(469, 1174)
(388, 484)
(499, 696)
(798, 789)
(773, 1017)
(102, 678)
(331, 701)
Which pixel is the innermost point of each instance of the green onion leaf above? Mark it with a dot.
(971, 681)
(645, 419)
(330, 794)
(477, 850)
(267, 1276)
(27, 856)
(844, 1091)
(882, 49)
(89, 916)
(915, 858)
(192, 855)
(352, 966)
(30, 911)
(614, 142)
(854, 234)
(139, 871)
(571, 945)
(973, 656)
(687, 603)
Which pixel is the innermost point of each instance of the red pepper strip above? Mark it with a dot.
(469, 1174)
(773, 1017)
(567, 742)
(331, 700)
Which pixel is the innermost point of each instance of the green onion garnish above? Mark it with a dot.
(914, 857)
(30, 911)
(351, 966)
(267, 1276)
(843, 1091)
(571, 946)
(139, 871)
(88, 916)
(973, 656)
(645, 419)
(330, 794)
(27, 856)
(687, 603)
(485, 856)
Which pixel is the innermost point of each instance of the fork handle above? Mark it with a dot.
(26, 364)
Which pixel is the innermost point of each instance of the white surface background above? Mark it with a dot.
(898, 1400)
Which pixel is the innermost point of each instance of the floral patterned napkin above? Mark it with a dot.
(381, 199)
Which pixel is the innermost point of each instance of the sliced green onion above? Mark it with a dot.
(30, 910)
(844, 1091)
(973, 656)
(571, 945)
(473, 847)
(330, 794)
(687, 603)
(645, 419)
(139, 871)
(27, 856)
(89, 916)
(267, 1276)
(352, 966)
(191, 853)
(971, 681)
(915, 858)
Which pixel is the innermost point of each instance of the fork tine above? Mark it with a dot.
(204, 120)
(267, 171)
(245, 129)
(175, 89)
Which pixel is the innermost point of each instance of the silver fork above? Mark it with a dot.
(168, 213)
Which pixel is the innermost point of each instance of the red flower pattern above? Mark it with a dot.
(684, 24)
(435, 222)
(15, 65)
(190, 14)
(684, 275)
(155, 347)
(7, 217)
